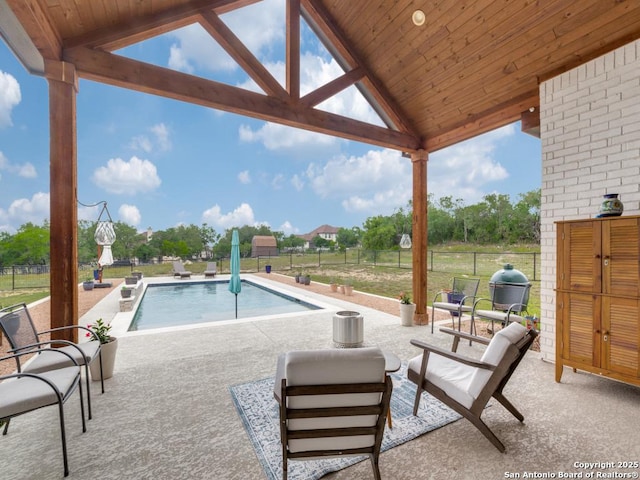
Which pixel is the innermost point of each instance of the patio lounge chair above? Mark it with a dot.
(507, 301)
(24, 392)
(332, 403)
(212, 270)
(179, 270)
(18, 327)
(467, 384)
(457, 301)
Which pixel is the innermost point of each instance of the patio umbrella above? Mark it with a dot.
(234, 283)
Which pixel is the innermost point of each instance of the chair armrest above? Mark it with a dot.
(472, 362)
(481, 299)
(48, 342)
(466, 336)
(20, 354)
(439, 294)
(79, 327)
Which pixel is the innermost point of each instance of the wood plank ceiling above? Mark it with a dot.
(473, 66)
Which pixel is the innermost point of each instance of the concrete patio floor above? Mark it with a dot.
(167, 412)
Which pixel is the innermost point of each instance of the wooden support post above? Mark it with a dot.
(63, 197)
(419, 232)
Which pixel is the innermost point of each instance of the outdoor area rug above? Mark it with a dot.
(259, 413)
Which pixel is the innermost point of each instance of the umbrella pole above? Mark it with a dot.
(236, 305)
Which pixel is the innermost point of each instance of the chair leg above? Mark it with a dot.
(480, 425)
(508, 405)
(84, 424)
(88, 381)
(6, 426)
(375, 467)
(433, 313)
(63, 437)
(416, 402)
(101, 375)
(284, 467)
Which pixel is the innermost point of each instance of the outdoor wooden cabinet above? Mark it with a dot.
(598, 297)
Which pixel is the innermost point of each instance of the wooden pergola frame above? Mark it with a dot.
(64, 58)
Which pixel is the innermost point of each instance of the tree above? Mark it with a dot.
(380, 233)
(348, 237)
(28, 246)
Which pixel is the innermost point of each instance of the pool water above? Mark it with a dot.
(175, 304)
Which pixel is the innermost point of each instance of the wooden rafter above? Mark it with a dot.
(293, 49)
(140, 29)
(241, 54)
(330, 89)
(320, 21)
(127, 73)
(36, 22)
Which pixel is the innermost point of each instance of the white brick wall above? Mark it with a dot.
(590, 132)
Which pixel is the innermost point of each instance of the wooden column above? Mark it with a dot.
(62, 80)
(419, 232)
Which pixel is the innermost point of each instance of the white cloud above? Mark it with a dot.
(243, 215)
(23, 210)
(277, 137)
(258, 26)
(376, 182)
(244, 177)
(130, 214)
(297, 182)
(464, 170)
(277, 182)
(147, 145)
(134, 176)
(26, 170)
(10, 96)
(162, 136)
(288, 229)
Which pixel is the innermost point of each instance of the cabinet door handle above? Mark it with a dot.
(606, 336)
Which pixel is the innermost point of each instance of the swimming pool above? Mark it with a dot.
(176, 304)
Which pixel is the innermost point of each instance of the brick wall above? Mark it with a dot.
(590, 132)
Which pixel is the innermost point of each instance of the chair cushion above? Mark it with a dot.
(452, 307)
(333, 366)
(497, 315)
(462, 382)
(48, 359)
(24, 394)
(451, 376)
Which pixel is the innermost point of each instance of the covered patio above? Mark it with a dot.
(168, 413)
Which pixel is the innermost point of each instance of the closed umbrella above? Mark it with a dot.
(235, 285)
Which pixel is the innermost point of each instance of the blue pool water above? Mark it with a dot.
(170, 305)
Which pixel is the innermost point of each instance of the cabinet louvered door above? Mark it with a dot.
(579, 260)
(620, 335)
(579, 319)
(620, 257)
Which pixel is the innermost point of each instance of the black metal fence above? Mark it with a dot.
(471, 263)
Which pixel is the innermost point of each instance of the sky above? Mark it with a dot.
(161, 163)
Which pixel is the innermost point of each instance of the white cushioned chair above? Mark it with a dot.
(332, 403)
(466, 384)
(21, 393)
(18, 327)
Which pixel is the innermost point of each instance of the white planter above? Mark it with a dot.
(407, 311)
(108, 360)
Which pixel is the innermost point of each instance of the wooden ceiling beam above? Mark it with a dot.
(36, 22)
(483, 122)
(335, 41)
(134, 75)
(115, 37)
(241, 54)
(293, 49)
(330, 89)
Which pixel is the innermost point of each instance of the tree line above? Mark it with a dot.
(494, 220)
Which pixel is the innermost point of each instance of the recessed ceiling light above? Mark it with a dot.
(418, 18)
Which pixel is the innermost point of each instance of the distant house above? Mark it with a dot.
(263, 245)
(324, 231)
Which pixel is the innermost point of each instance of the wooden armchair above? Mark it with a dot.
(466, 384)
(332, 403)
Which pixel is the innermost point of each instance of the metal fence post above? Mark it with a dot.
(475, 263)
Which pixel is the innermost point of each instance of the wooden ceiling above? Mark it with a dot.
(473, 66)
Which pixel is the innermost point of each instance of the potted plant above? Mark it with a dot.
(126, 292)
(130, 280)
(306, 279)
(333, 285)
(407, 309)
(267, 268)
(108, 347)
(88, 283)
(348, 288)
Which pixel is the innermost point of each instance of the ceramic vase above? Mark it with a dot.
(611, 206)
(407, 311)
(108, 361)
